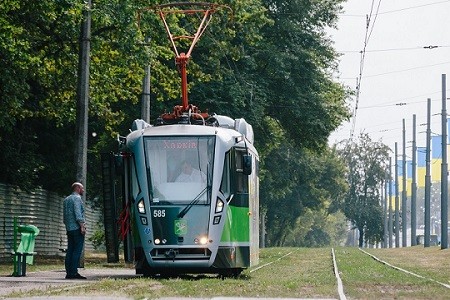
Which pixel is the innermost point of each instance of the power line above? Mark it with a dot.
(361, 65)
(397, 71)
(397, 49)
(396, 10)
(405, 70)
(412, 7)
(401, 102)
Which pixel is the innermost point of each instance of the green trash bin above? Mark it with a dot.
(23, 255)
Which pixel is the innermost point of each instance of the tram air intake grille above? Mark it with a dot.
(180, 254)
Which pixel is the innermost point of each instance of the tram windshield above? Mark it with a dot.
(180, 169)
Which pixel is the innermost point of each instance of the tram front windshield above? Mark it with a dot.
(180, 169)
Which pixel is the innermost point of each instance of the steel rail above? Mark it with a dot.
(269, 263)
(338, 278)
(405, 271)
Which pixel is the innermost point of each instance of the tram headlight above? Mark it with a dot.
(157, 241)
(219, 206)
(203, 240)
(141, 206)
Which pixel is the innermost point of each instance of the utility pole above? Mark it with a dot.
(444, 170)
(385, 209)
(428, 177)
(397, 200)
(145, 101)
(414, 186)
(83, 102)
(83, 97)
(390, 203)
(404, 195)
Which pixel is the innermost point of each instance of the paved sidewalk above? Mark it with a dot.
(45, 279)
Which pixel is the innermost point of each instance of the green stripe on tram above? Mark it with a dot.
(236, 228)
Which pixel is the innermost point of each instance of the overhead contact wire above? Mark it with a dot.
(368, 34)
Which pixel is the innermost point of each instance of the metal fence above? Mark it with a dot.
(42, 209)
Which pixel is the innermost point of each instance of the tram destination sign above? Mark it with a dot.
(179, 144)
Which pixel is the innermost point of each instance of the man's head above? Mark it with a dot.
(186, 167)
(77, 187)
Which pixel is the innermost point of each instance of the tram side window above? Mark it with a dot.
(241, 179)
(225, 185)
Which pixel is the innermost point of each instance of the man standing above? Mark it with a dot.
(73, 217)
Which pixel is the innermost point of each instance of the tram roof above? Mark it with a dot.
(181, 129)
(227, 134)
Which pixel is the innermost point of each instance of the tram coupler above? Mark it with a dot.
(171, 253)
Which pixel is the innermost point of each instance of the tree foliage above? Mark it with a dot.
(296, 181)
(366, 163)
(269, 61)
(318, 228)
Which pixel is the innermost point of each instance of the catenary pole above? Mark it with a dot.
(444, 170)
(83, 97)
(385, 209)
(83, 103)
(390, 203)
(397, 200)
(428, 177)
(414, 186)
(145, 101)
(404, 196)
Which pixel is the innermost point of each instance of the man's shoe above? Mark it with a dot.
(78, 276)
(70, 276)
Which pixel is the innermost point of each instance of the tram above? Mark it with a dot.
(191, 189)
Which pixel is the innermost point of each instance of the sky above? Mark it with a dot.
(398, 73)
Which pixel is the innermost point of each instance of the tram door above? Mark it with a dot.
(245, 188)
(116, 191)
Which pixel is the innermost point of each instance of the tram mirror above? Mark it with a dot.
(247, 164)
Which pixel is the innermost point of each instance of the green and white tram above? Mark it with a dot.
(190, 181)
(193, 197)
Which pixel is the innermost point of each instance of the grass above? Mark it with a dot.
(429, 262)
(287, 273)
(365, 278)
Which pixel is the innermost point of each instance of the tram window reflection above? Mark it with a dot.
(225, 184)
(179, 168)
(241, 179)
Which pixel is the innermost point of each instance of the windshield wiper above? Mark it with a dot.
(192, 203)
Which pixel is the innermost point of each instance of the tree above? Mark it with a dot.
(318, 228)
(279, 78)
(366, 163)
(36, 53)
(297, 63)
(297, 180)
(38, 65)
(272, 64)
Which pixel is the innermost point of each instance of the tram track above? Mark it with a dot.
(340, 287)
(404, 270)
(306, 273)
(271, 262)
(379, 278)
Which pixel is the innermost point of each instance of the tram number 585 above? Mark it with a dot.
(159, 213)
